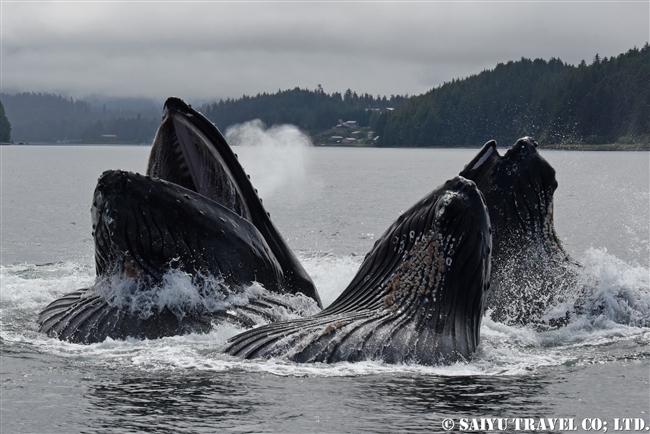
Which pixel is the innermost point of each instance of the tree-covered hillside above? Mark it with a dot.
(45, 117)
(311, 111)
(5, 126)
(605, 102)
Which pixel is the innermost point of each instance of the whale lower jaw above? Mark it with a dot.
(419, 296)
(353, 337)
(146, 228)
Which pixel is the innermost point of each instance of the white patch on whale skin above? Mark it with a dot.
(446, 199)
(483, 159)
(94, 210)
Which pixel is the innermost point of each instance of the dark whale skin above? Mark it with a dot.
(144, 226)
(195, 211)
(190, 151)
(530, 268)
(418, 297)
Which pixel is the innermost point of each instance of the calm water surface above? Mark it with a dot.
(331, 205)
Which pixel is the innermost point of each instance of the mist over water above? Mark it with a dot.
(280, 159)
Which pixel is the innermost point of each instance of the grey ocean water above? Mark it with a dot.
(331, 204)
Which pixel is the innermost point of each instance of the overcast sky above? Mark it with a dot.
(206, 50)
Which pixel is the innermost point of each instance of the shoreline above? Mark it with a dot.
(557, 147)
(606, 147)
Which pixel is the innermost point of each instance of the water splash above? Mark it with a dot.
(617, 329)
(330, 273)
(183, 293)
(179, 291)
(613, 290)
(280, 161)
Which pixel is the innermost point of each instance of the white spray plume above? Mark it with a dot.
(281, 157)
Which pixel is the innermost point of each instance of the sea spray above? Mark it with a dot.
(280, 161)
(615, 290)
(32, 286)
(331, 273)
(504, 351)
(183, 293)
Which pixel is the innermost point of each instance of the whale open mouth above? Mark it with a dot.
(518, 189)
(419, 295)
(195, 212)
(194, 184)
(189, 151)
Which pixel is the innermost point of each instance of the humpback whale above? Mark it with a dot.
(419, 295)
(484, 238)
(195, 212)
(530, 268)
(396, 311)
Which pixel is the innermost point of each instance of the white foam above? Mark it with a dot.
(178, 291)
(619, 290)
(182, 293)
(609, 291)
(591, 337)
(331, 274)
(31, 286)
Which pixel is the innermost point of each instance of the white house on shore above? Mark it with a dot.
(346, 124)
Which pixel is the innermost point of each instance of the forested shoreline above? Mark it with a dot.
(605, 102)
(311, 111)
(49, 118)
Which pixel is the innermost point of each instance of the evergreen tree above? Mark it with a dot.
(44, 117)
(605, 102)
(312, 111)
(5, 126)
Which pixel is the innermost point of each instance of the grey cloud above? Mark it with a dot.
(208, 50)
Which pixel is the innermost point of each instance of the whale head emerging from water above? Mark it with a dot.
(194, 212)
(189, 151)
(419, 295)
(530, 268)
